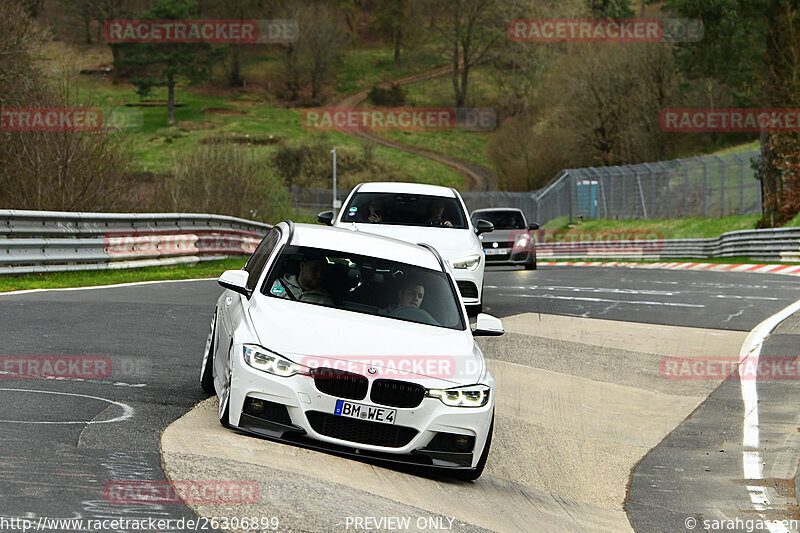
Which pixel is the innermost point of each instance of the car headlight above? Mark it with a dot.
(522, 242)
(468, 396)
(469, 262)
(270, 362)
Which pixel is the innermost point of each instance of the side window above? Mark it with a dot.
(255, 265)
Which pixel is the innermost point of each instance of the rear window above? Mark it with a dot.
(405, 210)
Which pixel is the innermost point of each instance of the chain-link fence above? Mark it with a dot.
(708, 186)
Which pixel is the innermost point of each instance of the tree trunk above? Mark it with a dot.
(171, 100)
(769, 174)
(235, 78)
(397, 38)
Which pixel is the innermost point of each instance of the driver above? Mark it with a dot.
(307, 285)
(435, 214)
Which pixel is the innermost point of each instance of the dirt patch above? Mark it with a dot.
(223, 111)
(243, 139)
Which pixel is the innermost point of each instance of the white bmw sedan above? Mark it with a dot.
(416, 213)
(353, 343)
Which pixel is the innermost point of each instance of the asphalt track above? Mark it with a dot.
(153, 335)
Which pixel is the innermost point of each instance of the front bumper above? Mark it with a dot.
(470, 283)
(510, 257)
(303, 402)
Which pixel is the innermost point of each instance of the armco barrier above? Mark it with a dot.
(48, 241)
(781, 244)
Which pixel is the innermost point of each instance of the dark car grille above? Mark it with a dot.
(500, 244)
(341, 383)
(467, 289)
(272, 412)
(360, 431)
(396, 393)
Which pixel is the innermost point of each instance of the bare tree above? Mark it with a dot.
(468, 30)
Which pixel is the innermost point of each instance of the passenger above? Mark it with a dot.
(435, 214)
(307, 285)
(410, 295)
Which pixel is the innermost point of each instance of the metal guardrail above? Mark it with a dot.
(51, 241)
(780, 244)
(47, 241)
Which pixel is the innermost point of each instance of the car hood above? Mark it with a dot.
(501, 235)
(315, 336)
(451, 243)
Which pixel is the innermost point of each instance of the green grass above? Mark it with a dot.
(155, 143)
(678, 228)
(53, 280)
(365, 67)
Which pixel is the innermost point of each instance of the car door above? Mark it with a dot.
(232, 304)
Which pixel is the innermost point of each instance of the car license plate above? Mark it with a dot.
(365, 412)
(496, 251)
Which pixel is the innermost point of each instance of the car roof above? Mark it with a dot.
(486, 209)
(368, 244)
(406, 188)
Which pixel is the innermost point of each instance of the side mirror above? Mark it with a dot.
(488, 326)
(235, 280)
(483, 226)
(326, 217)
(533, 226)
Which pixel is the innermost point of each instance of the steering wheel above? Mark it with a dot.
(414, 313)
(436, 222)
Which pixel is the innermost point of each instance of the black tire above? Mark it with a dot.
(530, 264)
(474, 473)
(207, 373)
(224, 416)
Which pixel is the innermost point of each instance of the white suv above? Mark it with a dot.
(419, 213)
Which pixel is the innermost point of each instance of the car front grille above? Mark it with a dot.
(500, 244)
(360, 431)
(340, 383)
(467, 289)
(396, 393)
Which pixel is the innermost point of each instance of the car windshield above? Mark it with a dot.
(364, 284)
(405, 210)
(502, 219)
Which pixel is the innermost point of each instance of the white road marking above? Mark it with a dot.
(127, 410)
(602, 300)
(752, 461)
(113, 286)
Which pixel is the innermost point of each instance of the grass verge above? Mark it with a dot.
(56, 280)
(676, 228)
